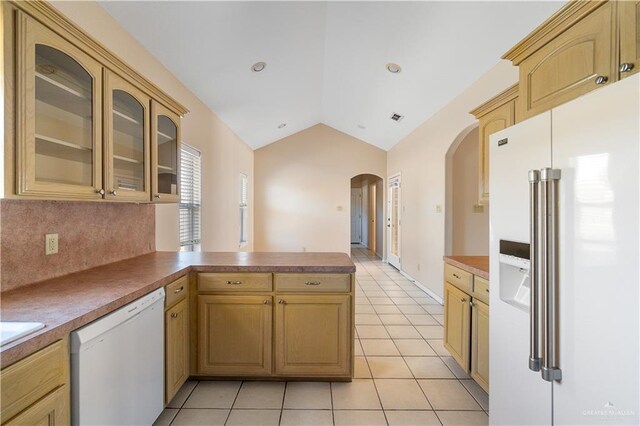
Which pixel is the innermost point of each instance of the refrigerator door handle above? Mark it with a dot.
(534, 306)
(550, 370)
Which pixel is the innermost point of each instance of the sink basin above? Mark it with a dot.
(10, 331)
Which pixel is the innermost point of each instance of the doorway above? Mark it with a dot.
(367, 211)
(394, 222)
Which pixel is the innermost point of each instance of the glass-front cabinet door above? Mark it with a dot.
(58, 116)
(165, 151)
(126, 125)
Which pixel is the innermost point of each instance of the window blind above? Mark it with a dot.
(190, 192)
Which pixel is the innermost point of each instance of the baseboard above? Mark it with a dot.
(423, 287)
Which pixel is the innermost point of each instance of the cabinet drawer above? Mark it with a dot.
(234, 282)
(481, 289)
(30, 379)
(319, 283)
(459, 278)
(176, 291)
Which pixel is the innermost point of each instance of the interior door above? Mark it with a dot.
(393, 221)
(596, 148)
(356, 215)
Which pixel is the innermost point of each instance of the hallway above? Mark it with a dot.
(403, 375)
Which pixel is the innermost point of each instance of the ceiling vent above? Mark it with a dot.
(396, 117)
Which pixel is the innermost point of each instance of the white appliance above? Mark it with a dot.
(117, 366)
(567, 181)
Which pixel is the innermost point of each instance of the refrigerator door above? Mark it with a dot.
(595, 143)
(518, 395)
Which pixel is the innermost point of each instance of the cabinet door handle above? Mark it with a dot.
(312, 282)
(174, 315)
(464, 299)
(265, 302)
(157, 196)
(113, 192)
(178, 290)
(471, 303)
(234, 282)
(100, 191)
(601, 79)
(281, 302)
(457, 276)
(626, 67)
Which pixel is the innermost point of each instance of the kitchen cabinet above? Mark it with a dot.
(466, 322)
(480, 343)
(312, 335)
(580, 48)
(234, 335)
(456, 324)
(84, 120)
(494, 115)
(629, 22)
(127, 156)
(293, 325)
(35, 390)
(58, 115)
(165, 154)
(176, 322)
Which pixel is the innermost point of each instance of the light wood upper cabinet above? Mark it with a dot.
(313, 337)
(457, 324)
(480, 343)
(176, 348)
(126, 135)
(165, 154)
(494, 115)
(629, 22)
(58, 116)
(234, 335)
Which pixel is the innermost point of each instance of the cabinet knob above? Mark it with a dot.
(601, 79)
(234, 282)
(464, 299)
(457, 276)
(265, 302)
(312, 282)
(100, 191)
(113, 192)
(174, 315)
(157, 195)
(176, 291)
(281, 302)
(626, 67)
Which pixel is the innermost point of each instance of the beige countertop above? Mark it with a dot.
(476, 265)
(66, 303)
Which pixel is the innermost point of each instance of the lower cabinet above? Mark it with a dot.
(176, 348)
(312, 335)
(234, 335)
(52, 410)
(466, 322)
(456, 324)
(480, 343)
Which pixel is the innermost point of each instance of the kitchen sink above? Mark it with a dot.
(10, 331)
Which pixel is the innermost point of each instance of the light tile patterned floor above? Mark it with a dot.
(403, 374)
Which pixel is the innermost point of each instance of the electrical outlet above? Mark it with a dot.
(50, 244)
(339, 208)
(438, 208)
(478, 208)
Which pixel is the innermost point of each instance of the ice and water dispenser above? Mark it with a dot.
(515, 264)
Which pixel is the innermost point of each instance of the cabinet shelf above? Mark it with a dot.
(62, 143)
(165, 136)
(167, 168)
(127, 159)
(63, 97)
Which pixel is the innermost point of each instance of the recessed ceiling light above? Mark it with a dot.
(258, 66)
(362, 126)
(282, 125)
(393, 68)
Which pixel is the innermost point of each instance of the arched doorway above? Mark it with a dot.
(367, 214)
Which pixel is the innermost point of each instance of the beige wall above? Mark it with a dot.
(224, 155)
(470, 230)
(302, 181)
(420, 158)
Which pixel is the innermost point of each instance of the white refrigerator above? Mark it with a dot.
(564, 259)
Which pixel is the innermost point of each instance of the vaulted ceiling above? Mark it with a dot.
(326, 61)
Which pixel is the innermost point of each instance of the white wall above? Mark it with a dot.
(420, 158)
(224, 154)
(470, 230)
(302, 182)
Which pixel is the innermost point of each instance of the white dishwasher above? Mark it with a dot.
(117, 365)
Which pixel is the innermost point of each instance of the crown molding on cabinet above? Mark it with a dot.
(502, 98)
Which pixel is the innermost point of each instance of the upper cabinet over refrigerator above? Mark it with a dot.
(58, 140)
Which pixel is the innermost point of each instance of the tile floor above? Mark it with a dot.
(403, 375)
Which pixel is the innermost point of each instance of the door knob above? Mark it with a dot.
(626, 67)
(601, 79)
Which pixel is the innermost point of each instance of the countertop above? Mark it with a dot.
(66, 303)
(476, 265)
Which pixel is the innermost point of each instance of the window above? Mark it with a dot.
(190, 178)
(244, 209)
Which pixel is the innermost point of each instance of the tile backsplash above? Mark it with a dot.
(90, 234)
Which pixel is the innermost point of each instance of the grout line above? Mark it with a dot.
(284, 395)
(234, 402)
